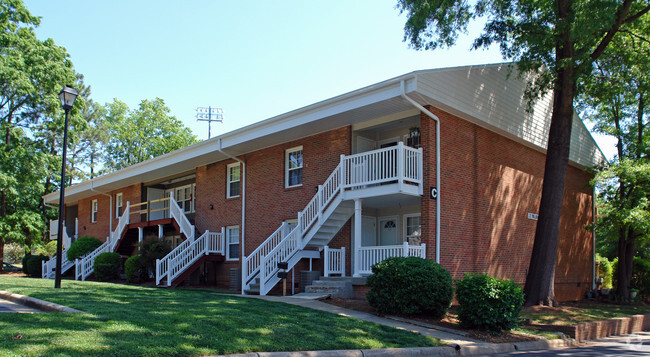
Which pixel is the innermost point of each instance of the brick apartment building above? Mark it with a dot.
(446, 164)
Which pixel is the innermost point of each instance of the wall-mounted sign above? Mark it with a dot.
(533, 216)
(433, 193)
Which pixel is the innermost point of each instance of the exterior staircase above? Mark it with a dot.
(391, 170)
(84, 265)
(49, 267)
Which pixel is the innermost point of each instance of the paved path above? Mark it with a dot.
(448, 337)
(10, 306)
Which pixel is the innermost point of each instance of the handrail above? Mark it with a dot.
(398, 163)
(84, 267)
(207, 243)
(183, 223)
(121, 226)
(147, 211)
(162, 265)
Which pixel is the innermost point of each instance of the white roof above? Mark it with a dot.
(484, 95)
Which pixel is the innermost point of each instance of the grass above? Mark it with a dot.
(584, 313)
(123, 320)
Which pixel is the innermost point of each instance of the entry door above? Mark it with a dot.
(388, 231)
(155, 194)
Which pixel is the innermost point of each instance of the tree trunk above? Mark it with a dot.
(626, 242)
(539, 288)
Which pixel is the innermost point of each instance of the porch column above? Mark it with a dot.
(160, 231)
(140, 235)
(357, 236)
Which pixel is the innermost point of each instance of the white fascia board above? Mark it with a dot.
(355, 99)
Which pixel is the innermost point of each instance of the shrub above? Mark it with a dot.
(82, 246)
(25, 266)
(488, 303)
(605, 271)
(48, 249)
(35, 265)
(152, 249)
(641, 276)
(410, 286)
(135, 269)
(13, 253)
(107, 266)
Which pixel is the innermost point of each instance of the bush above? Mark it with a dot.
(135, 269)
(13, 253)
(410, 286)
(25, 265)
(34, 265)
(48, 249)
(488, 303)
(641, 276)
(152, 249)
(107, 266)
(605, 271)
(82, 246)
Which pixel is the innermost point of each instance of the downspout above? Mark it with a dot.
(110, 208)
(437, 120)
(243, 206)
(593, 255)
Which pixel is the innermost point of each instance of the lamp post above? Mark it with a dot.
(67, 96)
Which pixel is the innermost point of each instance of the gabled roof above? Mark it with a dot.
(484, 95)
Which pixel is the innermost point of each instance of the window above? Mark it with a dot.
(118, 205)
(293, 167)
(232, 243)
(184, 196)
(93, 211)
(233, 176)
(413, 229)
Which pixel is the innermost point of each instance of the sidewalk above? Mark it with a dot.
(10, 306)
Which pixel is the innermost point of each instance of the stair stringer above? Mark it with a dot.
(317, 237)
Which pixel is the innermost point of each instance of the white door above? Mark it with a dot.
(365, 144)
(156, 194)
(388, 231)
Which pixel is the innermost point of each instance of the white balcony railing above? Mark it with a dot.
(369, 256)
(334, 261)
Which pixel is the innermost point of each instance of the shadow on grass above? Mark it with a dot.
(129, 320)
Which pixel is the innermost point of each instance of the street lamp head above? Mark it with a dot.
(67, 96)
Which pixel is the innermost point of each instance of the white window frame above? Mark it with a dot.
(192, 188)
(405, 225)
(287, 153)
(93, 211)
(229, 230)
(119, 203)
(229, 181)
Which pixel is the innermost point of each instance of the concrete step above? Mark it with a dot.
(323, 289)
(341, 288)
(311, 296)
(330, 283)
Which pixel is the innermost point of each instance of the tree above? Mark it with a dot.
(143, 133)
(615, 100)
(559, 42)
(31, 74)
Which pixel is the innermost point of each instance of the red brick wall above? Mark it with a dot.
(100, 228)
(489, 184)
(268, 202)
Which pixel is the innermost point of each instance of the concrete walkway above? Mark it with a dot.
(443, 334)
(10, 306)
(37, 304)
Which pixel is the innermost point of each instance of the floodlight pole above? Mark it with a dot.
(218, 115)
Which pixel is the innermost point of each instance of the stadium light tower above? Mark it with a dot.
(209, 114)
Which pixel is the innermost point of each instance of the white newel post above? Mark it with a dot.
(319, 203)
(357, 236)
(342, 261)
(326, 262)
(406, 249)
(140, 236)
(343, 178)
(420, 171)
(400, 165)
(160, 232)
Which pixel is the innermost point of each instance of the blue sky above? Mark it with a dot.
(254, 59)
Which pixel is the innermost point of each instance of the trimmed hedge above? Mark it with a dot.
(24, 261)
(33, 265)
(107, 266)
(135, 269)
(82, 246)
(410, 286)
(488, 303)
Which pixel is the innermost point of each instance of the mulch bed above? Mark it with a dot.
(449, 321)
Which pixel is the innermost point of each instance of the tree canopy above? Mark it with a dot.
(559, 42)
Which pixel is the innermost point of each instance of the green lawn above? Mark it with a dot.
(122, 320)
